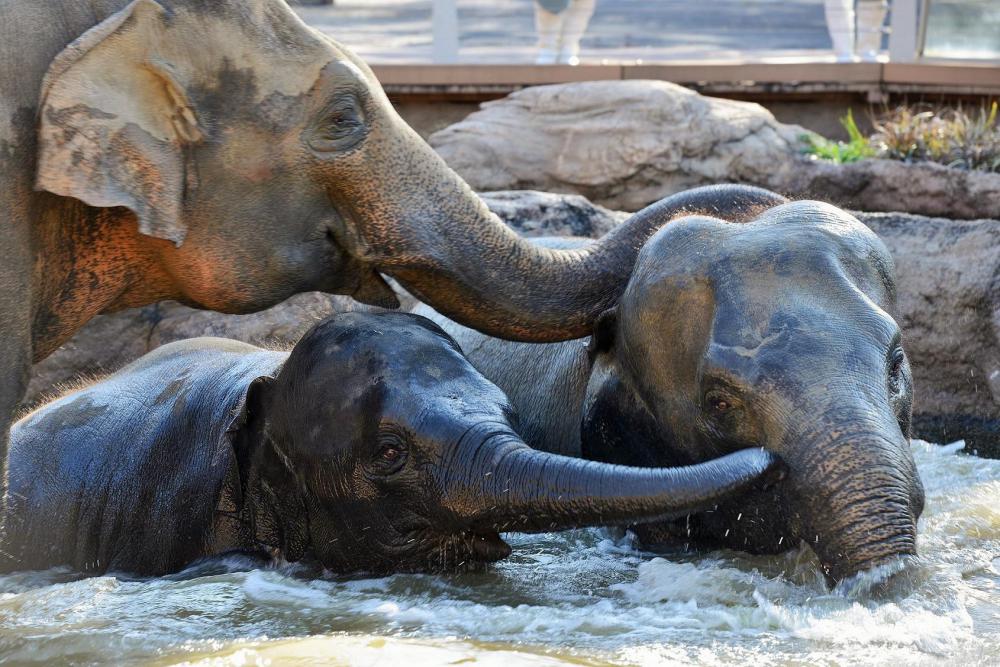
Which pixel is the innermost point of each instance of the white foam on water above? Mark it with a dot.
(578, 596)
(359, 651)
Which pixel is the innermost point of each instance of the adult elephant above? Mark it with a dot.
(778, 332)
(224, 154)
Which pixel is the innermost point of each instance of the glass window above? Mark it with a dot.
(963, 29)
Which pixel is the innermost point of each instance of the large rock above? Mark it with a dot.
(924, 188)
(108, 342)
(535, 214)
(948, 275)
(625, 144)
(949, 305)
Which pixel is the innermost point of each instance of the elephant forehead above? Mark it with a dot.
(285, 56)
(749, 308)
(353, 352)
(753, 254)
(195, 42)
(796, 234)
(763, 266)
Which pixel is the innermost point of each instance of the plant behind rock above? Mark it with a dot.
(857, 148)
(951, 137)
(975, 143)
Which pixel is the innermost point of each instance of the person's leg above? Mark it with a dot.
(840, 23)
(871, 16)
(548, 24)
(574, 25)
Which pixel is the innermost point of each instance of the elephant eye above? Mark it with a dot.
(340, 128)
(896, 369)
(390, 454)
(341, 124)
(719, 403)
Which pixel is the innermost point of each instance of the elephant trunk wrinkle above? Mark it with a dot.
(860, 496)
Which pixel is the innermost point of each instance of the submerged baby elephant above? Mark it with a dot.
(372, 446)
(775, 332)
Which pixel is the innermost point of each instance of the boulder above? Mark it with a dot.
(948, 277)
(535, 214)
(623, 144)
(924, 188)
(626, 144)
(108, 342)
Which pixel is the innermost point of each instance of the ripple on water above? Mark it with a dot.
(580, 597)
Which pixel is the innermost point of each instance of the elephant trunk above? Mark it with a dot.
(510, 487)
(858, 494)
(441, 242)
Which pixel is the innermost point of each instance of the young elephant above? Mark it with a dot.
(777, 332)
(372, 446)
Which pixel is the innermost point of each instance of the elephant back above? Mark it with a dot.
(125, 474)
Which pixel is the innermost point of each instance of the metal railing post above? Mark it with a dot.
(444, 31)
(903, 35)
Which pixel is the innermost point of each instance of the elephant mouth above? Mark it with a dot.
(463, 550)
(486, 546)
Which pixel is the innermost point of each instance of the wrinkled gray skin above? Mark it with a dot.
(372, 446)
(224, 154)
(777, 333)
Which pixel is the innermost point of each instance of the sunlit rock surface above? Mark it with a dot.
(572, 598)
(948, 280)
(625, 144)
(622, 144)
(533, 213)
(924, 188)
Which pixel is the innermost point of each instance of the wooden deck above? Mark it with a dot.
(873, 79)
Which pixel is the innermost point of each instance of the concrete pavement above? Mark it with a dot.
(502, 31)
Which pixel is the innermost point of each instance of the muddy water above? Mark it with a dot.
(573, 598)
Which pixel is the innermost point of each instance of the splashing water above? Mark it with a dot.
(572, 598)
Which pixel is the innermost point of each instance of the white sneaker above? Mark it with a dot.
(546, 57)
(569, 56)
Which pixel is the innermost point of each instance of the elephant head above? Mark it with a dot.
(261, 159)
(379, 448)
(780, 333)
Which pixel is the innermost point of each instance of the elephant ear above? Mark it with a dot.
(244, 432)
(603, 337)
(115, 121)
(251, 404)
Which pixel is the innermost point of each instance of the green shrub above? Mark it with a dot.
(857, 148)
(951, 137)
(907, 135)
(974, 142)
